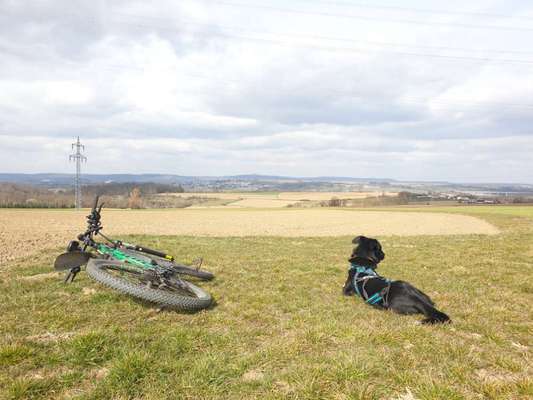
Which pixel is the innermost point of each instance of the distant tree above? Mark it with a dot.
(135, 201)
(519, 200)
(335, 202)
(404, 197)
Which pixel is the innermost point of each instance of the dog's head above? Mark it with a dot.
(368, 249)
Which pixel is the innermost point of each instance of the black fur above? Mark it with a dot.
(403, 298)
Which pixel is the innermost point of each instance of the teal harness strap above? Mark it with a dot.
(357, 271)
(375, 298)
(369, 273)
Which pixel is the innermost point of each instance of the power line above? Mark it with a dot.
(369, 18)
(420, 10)
(330, 38)
(315, 46)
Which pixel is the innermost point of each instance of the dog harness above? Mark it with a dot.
(360, 279)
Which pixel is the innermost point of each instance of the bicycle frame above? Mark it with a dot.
(119, 255)
(131, 262)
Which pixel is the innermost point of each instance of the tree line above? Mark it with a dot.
(119, 195)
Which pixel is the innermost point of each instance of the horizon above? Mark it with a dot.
(259, 176)
(296, 88)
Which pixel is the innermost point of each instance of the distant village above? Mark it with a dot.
(415, 193)
(460, 198)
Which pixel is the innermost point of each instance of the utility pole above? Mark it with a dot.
(78, 157)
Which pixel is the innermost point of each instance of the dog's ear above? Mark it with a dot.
(367, 248)
(358, 239)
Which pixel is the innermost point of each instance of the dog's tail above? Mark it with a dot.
(433, 316)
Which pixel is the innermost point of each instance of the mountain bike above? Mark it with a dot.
(138, 271)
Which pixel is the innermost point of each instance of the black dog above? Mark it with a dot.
(398, 296)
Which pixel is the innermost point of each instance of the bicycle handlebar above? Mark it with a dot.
(95, 203)
(93, 220)
(146, 250)
(94, 227)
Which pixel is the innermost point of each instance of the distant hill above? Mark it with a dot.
(59, 179)
(257, 182)
(67, 179)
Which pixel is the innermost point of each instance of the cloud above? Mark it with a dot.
(199, 88)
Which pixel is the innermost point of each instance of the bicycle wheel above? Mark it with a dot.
(179, 268)
(197, 273)
(181, 295)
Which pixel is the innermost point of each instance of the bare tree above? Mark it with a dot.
(135, 200)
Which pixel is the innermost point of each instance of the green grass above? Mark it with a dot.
(280, 328)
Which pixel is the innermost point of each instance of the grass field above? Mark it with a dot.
(280, 328)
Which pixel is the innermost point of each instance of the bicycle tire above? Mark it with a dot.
(179, 268)
(96, 269)
(197, 273)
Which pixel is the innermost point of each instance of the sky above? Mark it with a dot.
(409, 90)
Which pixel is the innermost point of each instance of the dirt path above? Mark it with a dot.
(23, 232)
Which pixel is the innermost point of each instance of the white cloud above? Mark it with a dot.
(199, 88)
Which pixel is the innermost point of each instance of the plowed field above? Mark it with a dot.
(24, 232)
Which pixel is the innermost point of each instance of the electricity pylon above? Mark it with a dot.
(78, 157)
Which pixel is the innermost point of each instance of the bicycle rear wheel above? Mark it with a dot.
(181, 295)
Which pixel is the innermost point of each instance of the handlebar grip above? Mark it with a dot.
(95, 202)
(154, 253)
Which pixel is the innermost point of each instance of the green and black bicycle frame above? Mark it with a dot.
(130, 262)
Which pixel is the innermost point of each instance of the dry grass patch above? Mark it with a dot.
(40, 277)
(48, 337)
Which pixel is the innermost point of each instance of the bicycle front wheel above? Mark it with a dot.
(179, 296)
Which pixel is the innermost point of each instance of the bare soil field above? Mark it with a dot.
(24, 232)
(274, 200)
